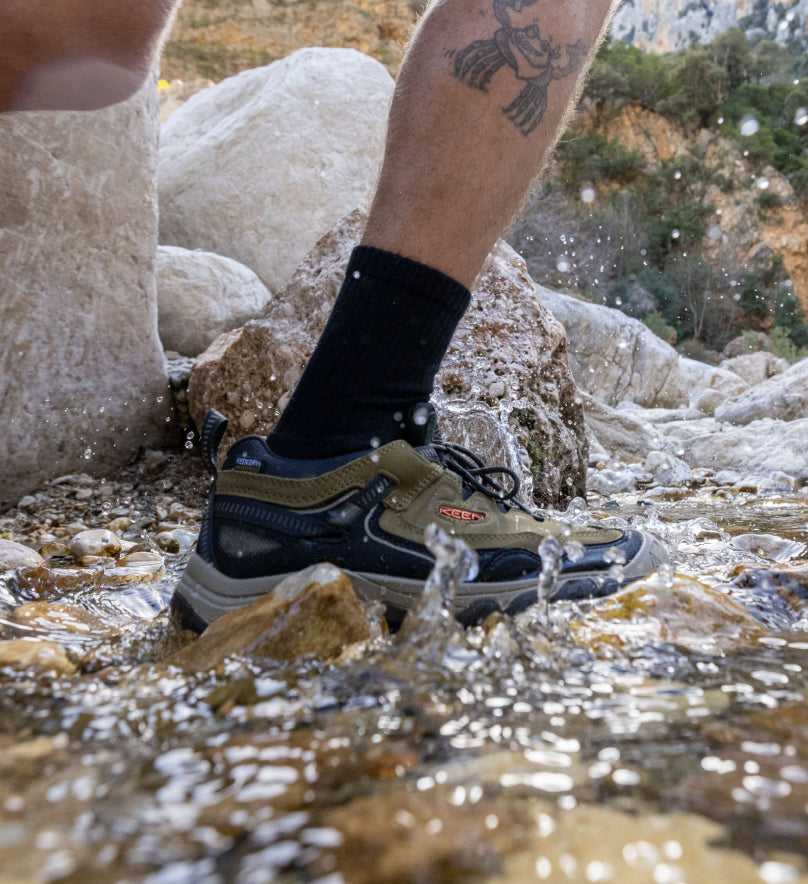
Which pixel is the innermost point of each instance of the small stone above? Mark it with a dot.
(709, 400)
(29, 502)
(75, 528)
(95, 561)
(45, 656)
(137, 567)
(55, 551)
(85, 493)
(119, 525)
(167, 542)
(95, 542)
(180, 513)
(15, 555)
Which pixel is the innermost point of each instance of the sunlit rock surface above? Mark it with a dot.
(617, 358)
(200, 295)
(84, 378)
(508, 354)
(313, 612)
(782, 397)
(755, 368)
(17, 555)
(261, 165)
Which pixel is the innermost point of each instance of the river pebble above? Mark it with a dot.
(16, 555)
(95, 542)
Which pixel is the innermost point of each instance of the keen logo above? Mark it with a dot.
(453, 512)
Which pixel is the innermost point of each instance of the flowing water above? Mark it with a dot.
(657, 736)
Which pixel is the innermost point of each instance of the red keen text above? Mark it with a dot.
(452, 512)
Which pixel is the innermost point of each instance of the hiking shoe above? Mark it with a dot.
(366, 513)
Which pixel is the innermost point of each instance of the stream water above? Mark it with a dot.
(657, 736)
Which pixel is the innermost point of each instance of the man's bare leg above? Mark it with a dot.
(77, 54)
(480, 102)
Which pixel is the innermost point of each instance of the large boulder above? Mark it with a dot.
(202, 295)
(261, 165)
(783, 397)
(616, 358)
(508, 355)
(85, 383)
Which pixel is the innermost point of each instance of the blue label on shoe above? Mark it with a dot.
(248, 464)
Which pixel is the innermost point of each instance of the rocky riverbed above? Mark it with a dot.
(660, 734)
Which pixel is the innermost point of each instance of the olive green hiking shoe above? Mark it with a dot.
(366, 513)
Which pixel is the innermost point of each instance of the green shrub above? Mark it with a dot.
(656, 322)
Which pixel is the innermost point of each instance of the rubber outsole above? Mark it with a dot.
(204, 593)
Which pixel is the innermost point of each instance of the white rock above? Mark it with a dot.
(702, 376)
(95, 542)
(200, 295)
(15, 555)
(82, 366)
(616, 358)
(261, 165)
(619, 433)
(757, 367)
(668, 470)
(609, 481)
(709, 400)
(759, 448)
(783, 397)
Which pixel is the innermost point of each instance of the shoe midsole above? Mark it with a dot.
(210, 593)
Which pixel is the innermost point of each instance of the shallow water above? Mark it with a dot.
(660, 739)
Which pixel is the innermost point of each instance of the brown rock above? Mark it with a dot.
(41, 655)
(51, 616)
(313, 612)
(248, 374)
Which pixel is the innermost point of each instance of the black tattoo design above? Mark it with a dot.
(531, 57)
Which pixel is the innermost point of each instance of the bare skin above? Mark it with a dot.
(480, 101)
(77, 54)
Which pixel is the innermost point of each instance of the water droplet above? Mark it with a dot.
(801, 116)
(375, 442)
(720, 121)
(763, 183)
(420, 416)
(588, 194)
(88, 453)
(356, 274)
(677, 174)
(675, 233)
(563, 265)
(749, 125)
(714, 232)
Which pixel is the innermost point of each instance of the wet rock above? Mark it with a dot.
(313, 612)
(616, 358)
(58, 616)
(95, 542)
(78, 239)
(201, 295)
(167, 542)
(137, 567)
(261, 165)
(15, 555)
(682, 612)
(609, 481)
(783, 397)
(119, 525)
(44, 656)
(248, 374)
(55, 553)
(755, 368)
(769, 546)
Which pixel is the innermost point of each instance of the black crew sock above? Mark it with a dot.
(378, 355)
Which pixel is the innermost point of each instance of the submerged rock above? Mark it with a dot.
(248, 374)
(681, 611)
(312, 612)
(45, 656)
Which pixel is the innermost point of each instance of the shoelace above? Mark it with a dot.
(475, 473)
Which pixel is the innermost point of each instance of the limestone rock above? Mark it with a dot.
(313, 612)
(616, 358)
(15, 555)
(755, 368)
(619, 433)
(261, 165)
(95, 542)
(200, 295)
(86, 377)
(701, 376)
(248, 374)
(758, 448)
(667, 469)
(708, 400)
(783, 397)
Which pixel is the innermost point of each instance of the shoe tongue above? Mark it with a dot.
(421, 426)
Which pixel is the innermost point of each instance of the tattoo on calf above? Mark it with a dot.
(532, 58)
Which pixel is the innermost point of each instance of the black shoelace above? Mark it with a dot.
(477, 475)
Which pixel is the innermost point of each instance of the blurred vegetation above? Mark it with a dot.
(658, 212)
